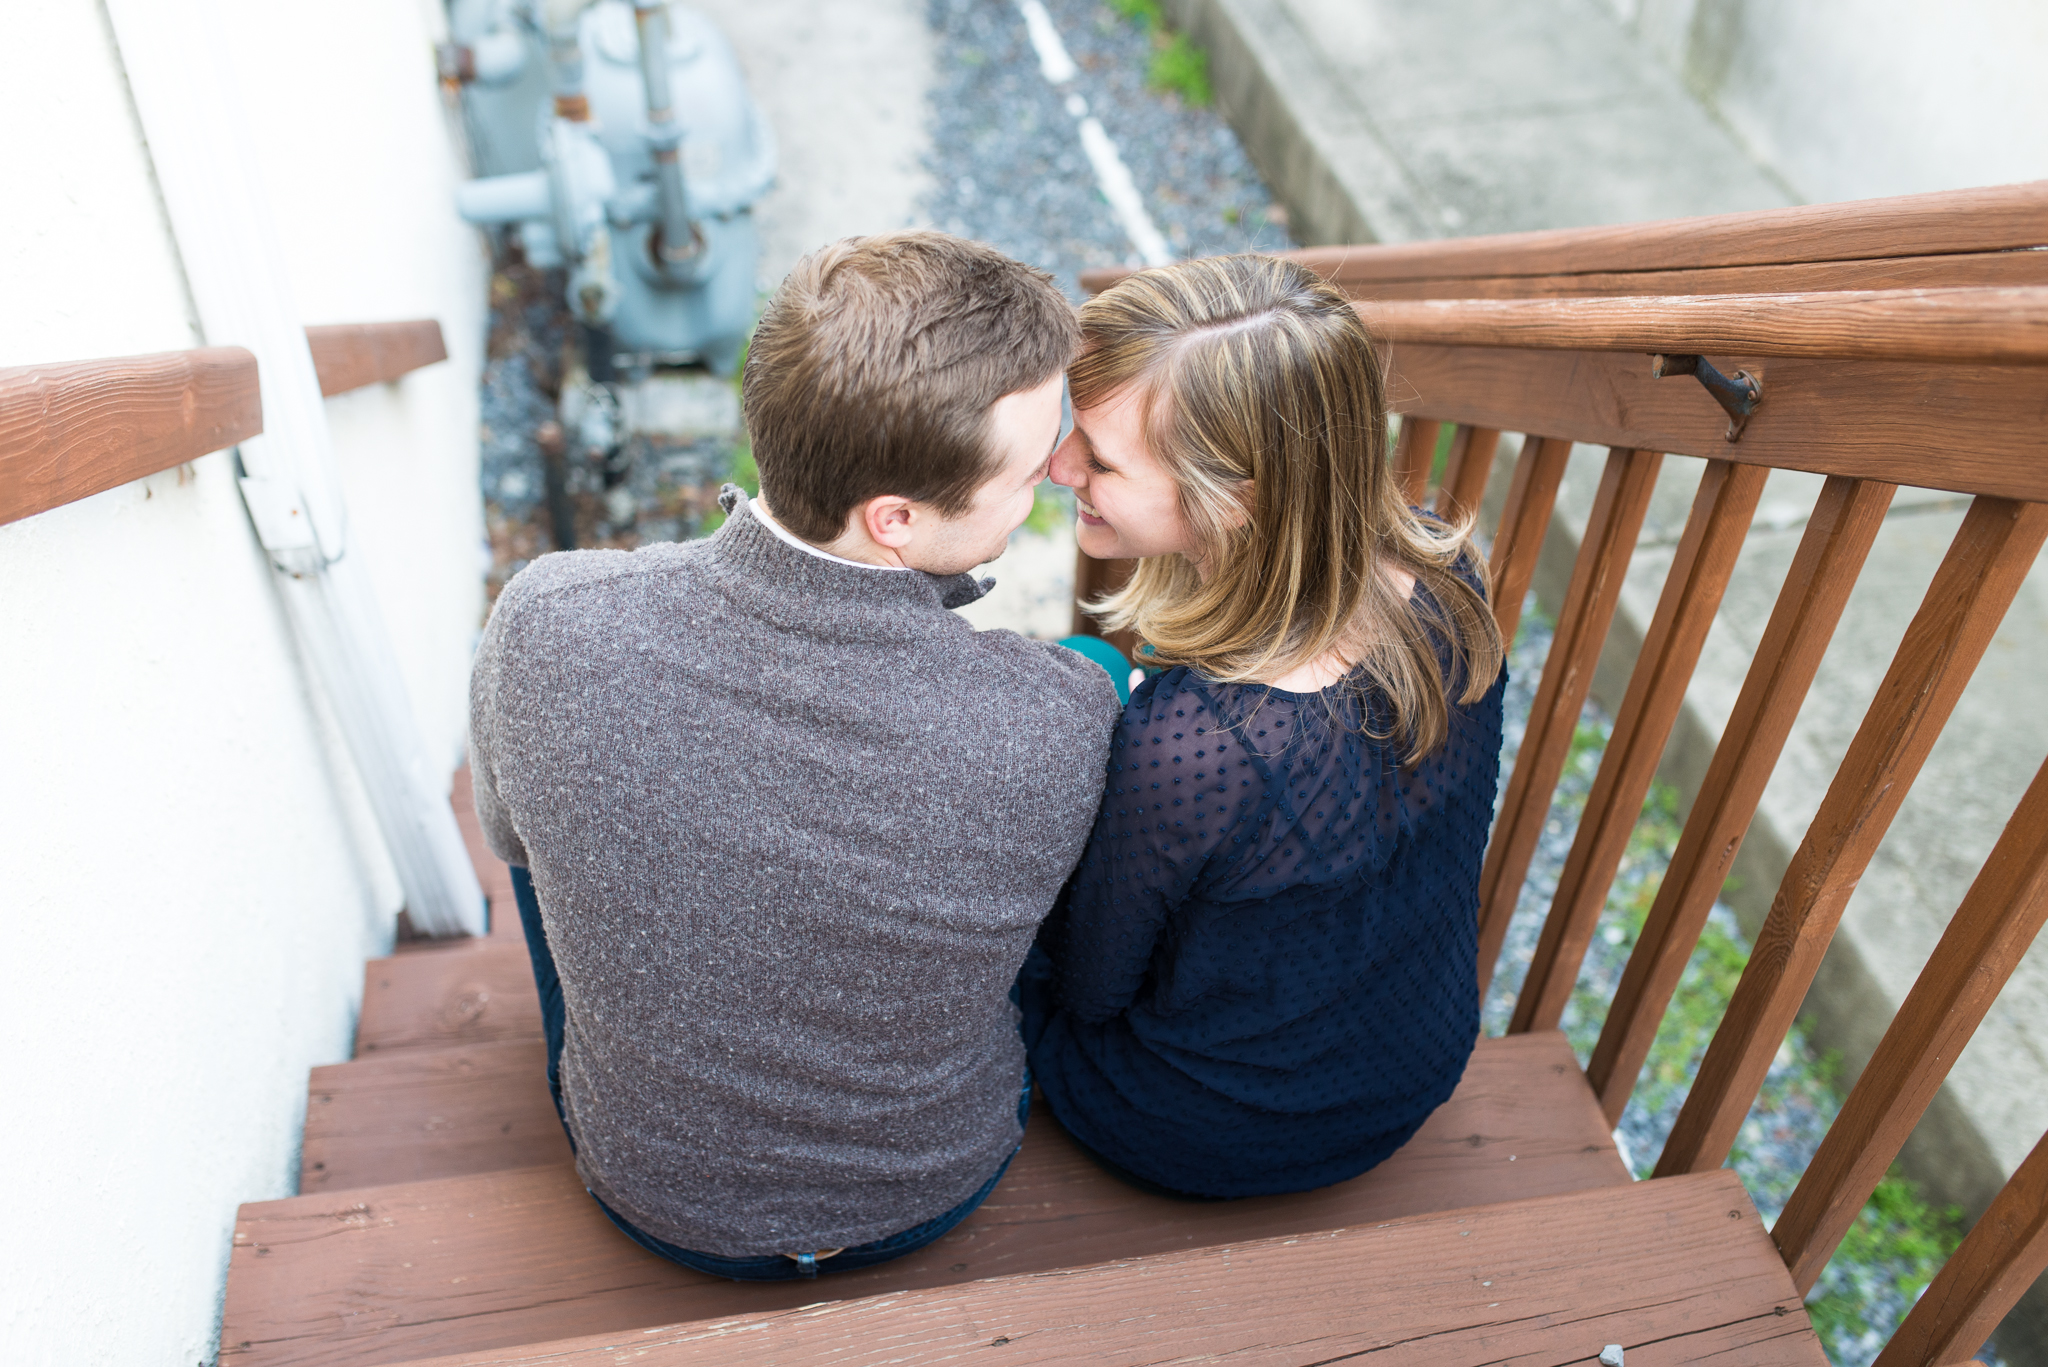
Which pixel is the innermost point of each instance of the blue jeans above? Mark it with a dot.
(774, 1267)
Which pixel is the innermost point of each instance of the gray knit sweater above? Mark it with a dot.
(792, 825)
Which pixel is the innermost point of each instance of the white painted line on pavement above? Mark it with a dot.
(1053, 60)
(1110, 172)
(1122, 193)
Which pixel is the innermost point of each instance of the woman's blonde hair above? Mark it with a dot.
(1264, 398)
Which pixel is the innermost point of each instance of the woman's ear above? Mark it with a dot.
(1244, 500)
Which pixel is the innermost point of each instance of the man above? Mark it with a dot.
(782, 824)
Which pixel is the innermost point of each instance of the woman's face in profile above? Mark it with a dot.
(1129, 506)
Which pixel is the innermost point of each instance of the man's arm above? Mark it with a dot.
(491, 814)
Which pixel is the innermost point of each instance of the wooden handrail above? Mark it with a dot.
(1895, 421)
(80, 427)
(1993, 219)
(76, 428)
(351, 355)
(1979, 326)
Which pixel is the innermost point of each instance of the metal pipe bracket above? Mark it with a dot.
(1738, 394)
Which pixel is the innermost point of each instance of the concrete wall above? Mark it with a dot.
(191, 879)
(1849, 99)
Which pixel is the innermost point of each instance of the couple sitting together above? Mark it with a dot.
(820, 881)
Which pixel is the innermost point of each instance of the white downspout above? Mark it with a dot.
(186, 98)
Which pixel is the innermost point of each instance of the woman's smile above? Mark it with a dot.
(1089, 517)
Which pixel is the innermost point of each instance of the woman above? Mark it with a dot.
(1262, 975)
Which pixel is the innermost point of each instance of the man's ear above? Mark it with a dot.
(888, 520)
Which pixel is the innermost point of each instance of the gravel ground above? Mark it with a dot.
(1008, 161)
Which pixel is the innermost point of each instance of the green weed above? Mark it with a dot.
(1892, 1251)
(1178, 67)
(1145, 13)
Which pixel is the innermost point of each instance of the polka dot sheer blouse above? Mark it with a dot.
(1262, 975)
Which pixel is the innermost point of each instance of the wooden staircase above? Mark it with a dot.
(441, 1215)
(443, 1221)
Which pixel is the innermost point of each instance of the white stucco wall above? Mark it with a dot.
(1852, 99)
(189, 875)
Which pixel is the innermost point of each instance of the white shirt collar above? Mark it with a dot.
(761, 515)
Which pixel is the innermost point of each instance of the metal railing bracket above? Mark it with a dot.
(1738, 394)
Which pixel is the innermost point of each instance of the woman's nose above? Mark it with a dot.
(1067, 467)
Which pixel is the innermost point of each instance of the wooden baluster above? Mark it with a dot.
(2002, 913)
(1721, 513)
(1413, 456)
(1983, 569)
(1999, 1260)
(1526, 517)
(1567, 676)
(1092, 579)
(1466, 471)
(1844, 522)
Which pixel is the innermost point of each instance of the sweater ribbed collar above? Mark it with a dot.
(745, 547)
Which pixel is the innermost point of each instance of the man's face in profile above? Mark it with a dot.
(1023, 428)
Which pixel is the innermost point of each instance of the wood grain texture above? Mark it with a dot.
(1677, 1272)
(1589, 603)
(1985, 269)
(1880, 420)
(2001, 1257)
(1699, 575)
(468, 992)
(1984, 942)
(515, 1257)
(1524, 519)
(416, 1114)
(350, 355)
(1414, 453)
(1952, 326)
(1837, 540)
(1983, 569)
(1994, 219)
(74, 429)
(1466, 471)
(1943, 270)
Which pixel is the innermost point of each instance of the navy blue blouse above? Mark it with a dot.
(1263, 972)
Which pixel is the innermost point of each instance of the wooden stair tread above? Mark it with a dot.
(469, 992)
(504, 1258)
(1677, 1271)
(412, 1114)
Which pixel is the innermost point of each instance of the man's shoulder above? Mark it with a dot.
(1060, 687)
(579, 574)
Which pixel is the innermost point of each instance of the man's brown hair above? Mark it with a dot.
(875, 366)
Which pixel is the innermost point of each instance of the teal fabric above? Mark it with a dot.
(1108, 656)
